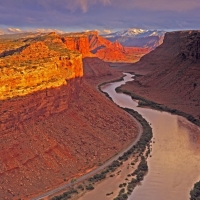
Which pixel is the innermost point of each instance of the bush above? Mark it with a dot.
(121, 191)
(81, 187)
(195, 192)
(89, 187)
(143, 165)
(140, 176)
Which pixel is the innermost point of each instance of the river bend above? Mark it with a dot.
(175, 163)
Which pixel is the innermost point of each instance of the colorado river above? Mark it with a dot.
(175, 163)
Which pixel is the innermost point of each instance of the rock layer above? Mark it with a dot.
(91, 44)
(38, 65)
(78, 43)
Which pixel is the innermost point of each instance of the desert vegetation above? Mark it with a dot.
(195, 192)
(147, 103)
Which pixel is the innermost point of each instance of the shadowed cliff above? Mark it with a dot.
(172, 73)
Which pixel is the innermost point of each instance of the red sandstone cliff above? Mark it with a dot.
(38, 65)
(172, 73)
(78, 43)
(114, 52)
(91, 44)
(97, 42)
(50, 135)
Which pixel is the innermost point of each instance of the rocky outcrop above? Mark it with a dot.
(172, 73)
(38, 66)
(91, 44)
(95, 68)
(114, 52)
(37, 106)
(111, 55)
(78, 43)
(97, 42)
(190, 46)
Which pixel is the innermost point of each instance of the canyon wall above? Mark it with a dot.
(91, 44)
(38, 65)
(54, 124)
(172, 73)
(78, 43)
(97, 42)
(37, 106)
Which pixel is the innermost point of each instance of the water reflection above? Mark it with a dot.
(175, 163)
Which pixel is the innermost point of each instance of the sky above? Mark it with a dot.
(104, 15)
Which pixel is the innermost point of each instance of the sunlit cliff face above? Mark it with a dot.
(37, 64)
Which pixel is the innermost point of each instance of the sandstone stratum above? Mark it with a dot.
(40, 63)
(171, 73)
(54, 123)
(91, 44)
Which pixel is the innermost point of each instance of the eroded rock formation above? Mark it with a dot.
(78, 43)
(91, 44)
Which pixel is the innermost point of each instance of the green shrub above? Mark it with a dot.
(89, 187)
(195, 192)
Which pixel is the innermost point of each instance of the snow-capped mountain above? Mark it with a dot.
(128, 32)
(134, 32)
(137, 37)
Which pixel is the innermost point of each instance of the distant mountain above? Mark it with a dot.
(172, 73)
(136, 33)
(137, 37)
(113, 51)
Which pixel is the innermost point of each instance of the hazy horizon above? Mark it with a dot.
(103, 15)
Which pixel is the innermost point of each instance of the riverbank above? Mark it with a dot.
(135, 157)
(132, 161)
(143, 102)
(163, 177)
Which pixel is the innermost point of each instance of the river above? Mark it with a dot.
(175, 163)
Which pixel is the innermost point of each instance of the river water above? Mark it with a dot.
(175, 163)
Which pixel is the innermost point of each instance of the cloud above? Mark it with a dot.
(105, 31)
(172, 5)
(72, 5)
(101, 32)
(85, 4)
(104, 15)
(18, 30)
(158, 5)
(43, 30)
(14, 30)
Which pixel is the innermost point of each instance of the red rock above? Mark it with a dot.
(37, 66)
(41, 132)
(78, 43)
(114, 52)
